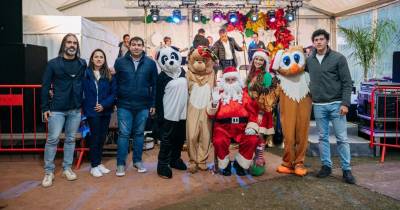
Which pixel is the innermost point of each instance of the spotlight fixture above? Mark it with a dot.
(176, 16)
(233, 18)
(155, 13)
(218, 16)
(271, 16)
(290, 14)
(196, 14)
(254, 13)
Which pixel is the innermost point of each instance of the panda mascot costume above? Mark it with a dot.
(171, 108)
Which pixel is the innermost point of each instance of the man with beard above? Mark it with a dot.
(235, 118)
(63, 109)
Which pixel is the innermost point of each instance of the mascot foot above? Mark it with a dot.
(284, 170)
(178, 164)
(300, 170)
(202, 166)
(164, 172)
(239, 170)
(227, 171)
(192, 168)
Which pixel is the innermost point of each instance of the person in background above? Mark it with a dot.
(168, 43)
(254, 45)
(136, 76)
(225, 48)
(200, 39)
(99, 88)
(210, 41)
(62, 108)
(330, 87)
(124, 45)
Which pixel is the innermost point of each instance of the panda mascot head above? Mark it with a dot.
(170, 61)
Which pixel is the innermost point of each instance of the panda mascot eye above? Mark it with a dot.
(174, 56)
(164, 59)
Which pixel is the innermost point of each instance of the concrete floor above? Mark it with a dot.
(21, 176)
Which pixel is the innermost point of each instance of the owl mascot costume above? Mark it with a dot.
(295, 107)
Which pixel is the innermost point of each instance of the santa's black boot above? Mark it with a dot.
(227, 171)
(239, 170)
(164, 171)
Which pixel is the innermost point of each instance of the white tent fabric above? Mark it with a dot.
(49, 30)
(38, 7)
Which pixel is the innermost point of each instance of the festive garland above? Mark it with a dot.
(149, 19)
(238, 25)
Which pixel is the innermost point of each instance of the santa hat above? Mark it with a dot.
(261, 53)
(230, 71)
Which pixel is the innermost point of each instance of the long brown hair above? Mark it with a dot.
(253, 70)
(62, 46)
(104, 70)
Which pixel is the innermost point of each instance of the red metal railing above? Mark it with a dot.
(394, 120)
(14, 97)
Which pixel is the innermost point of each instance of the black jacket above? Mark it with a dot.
(219, 49)
(136, 88)
(200, 40)
(67, 89)
(329, 81)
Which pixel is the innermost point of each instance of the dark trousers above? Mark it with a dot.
(98, 131)
(172, 138)
(227, 63)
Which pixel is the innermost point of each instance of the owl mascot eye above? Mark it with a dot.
(295, 107)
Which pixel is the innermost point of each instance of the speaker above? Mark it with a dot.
(22, 63)
(396, 67)
(11, 21)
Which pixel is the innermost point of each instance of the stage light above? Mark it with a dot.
(155, 13)
(271, 16)
(233, 18)
(176, 16)
(290, 14)
(196, 14)
(218, 16)
(254, 14)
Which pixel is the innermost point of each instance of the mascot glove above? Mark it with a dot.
(250, 131)
(216, 96)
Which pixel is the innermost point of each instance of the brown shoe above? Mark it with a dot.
(284, 170)
(202, 166)
(300, 170)
(192, 168)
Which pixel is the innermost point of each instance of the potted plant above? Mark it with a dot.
(368, 42)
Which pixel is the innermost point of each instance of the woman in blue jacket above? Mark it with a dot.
(99, 88)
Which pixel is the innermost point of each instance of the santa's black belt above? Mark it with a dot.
(232, 120)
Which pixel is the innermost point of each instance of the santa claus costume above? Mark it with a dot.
(233, 111)
(261, 85)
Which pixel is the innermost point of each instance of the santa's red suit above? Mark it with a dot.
(231, 120)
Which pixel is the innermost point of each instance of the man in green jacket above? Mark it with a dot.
(330, 86)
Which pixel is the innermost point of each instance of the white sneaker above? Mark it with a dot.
(48, 180)
(103, 169)
(96, 172)
(140, 167)
(120, 171)
(69, 174)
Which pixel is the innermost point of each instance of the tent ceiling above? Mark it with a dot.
(330, 8)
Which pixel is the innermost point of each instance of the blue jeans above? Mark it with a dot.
(323, 114)
(98, 132)
(71, 120)
(130, 121)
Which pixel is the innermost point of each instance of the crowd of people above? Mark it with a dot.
(196, 106)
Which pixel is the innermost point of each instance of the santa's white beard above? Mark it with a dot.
(232, 92)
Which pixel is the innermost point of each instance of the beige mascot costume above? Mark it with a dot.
(198, 126)
(295, 107)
